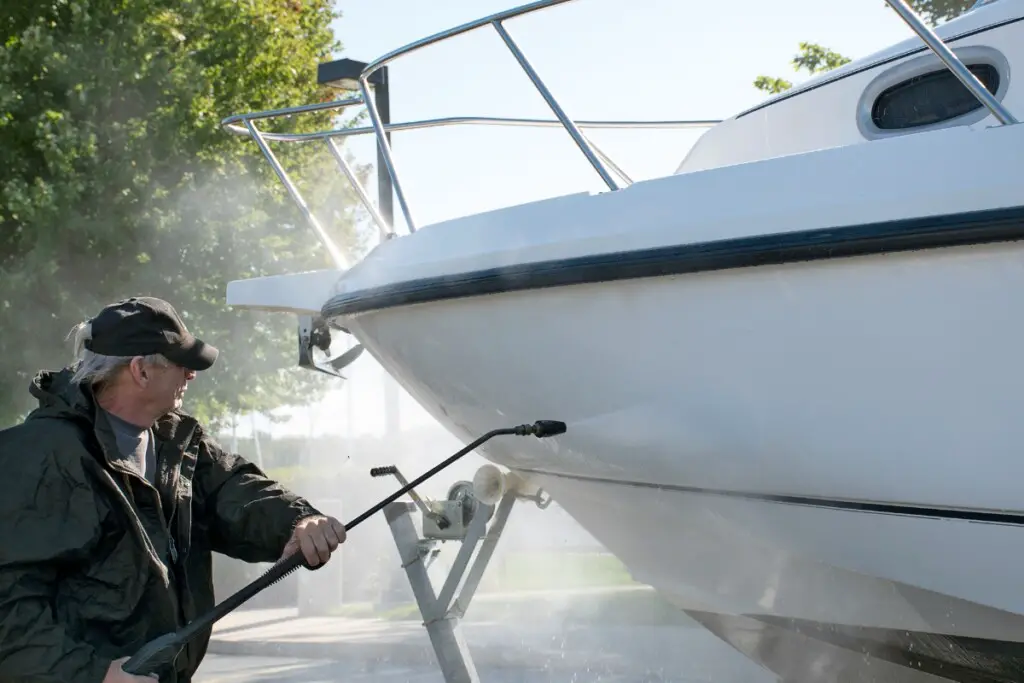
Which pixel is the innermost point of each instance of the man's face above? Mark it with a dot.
(165, 386)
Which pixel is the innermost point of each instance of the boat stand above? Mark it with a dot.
(462, 518)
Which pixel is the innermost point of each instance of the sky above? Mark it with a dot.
(602, 59)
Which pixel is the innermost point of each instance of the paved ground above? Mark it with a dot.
(259, 646)
(230, 669)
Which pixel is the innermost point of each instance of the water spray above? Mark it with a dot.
(163, 650)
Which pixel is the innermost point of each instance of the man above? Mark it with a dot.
(112, 501)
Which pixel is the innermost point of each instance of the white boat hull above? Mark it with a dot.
(888, 379)
(834, 441)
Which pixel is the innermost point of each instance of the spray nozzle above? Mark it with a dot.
(542, 429)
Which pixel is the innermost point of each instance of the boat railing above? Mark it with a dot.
(607, 169)
(244, 124)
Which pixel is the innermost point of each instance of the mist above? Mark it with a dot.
(181, 227)
(552, 600)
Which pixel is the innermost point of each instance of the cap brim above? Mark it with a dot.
(195, 354)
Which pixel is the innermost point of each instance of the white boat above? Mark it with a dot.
(790, 371)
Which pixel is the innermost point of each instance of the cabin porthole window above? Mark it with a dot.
(922, 94)
(930, 98)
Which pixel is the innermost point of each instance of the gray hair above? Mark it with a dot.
(93, 368)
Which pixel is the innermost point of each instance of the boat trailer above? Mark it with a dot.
(462, 517)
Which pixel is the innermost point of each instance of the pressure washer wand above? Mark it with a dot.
(164, 649)
(540, 429)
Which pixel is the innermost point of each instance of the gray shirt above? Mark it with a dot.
(135, 445)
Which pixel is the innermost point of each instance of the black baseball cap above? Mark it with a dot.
(144, 325)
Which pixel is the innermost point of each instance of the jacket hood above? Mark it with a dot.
(59, 397)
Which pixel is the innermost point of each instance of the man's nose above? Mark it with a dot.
(190, 374)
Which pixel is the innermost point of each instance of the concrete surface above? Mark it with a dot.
(229, 669)
(331, 648)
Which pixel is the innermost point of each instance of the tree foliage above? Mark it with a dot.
(117, 179)
(937, 11)
(812, 58)
(815, 59)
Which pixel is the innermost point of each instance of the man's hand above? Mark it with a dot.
(115, 674)
(316, 537)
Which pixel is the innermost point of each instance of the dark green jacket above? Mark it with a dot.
(81, 538)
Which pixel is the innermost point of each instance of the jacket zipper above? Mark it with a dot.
(172, 547)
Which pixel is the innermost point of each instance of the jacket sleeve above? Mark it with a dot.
(50, 518)
(250, 516)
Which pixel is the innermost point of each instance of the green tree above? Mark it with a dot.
(116, 178)
(937, 11)
(815, 59)
(812, 58)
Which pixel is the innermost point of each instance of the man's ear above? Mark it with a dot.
(139, 371)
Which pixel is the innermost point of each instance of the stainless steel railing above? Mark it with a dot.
(243, 124)
(494, 20)
(602, 164)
